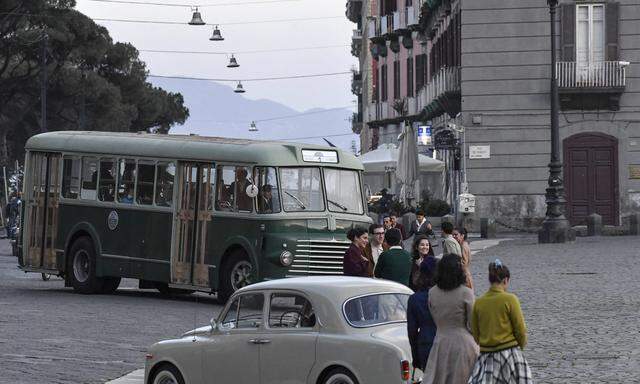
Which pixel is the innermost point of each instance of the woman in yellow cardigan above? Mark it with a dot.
(498, 327)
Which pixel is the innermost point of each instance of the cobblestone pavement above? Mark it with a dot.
(581, 302)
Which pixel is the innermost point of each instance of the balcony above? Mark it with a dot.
(356, 83)
(354, 10)
(441, 95)
(356, 42)
(356, 123)
(592, 86)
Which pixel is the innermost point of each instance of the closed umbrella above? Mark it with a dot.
(407, 170)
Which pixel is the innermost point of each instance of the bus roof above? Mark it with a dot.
(184, 147)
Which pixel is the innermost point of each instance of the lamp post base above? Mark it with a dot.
(556, 231)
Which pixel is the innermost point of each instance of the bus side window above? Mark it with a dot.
(224, 192)
(89, 178)
(70, 177)
(126, 180)
(267, 183)
(144, 183)
(107, 182)
(164, 184)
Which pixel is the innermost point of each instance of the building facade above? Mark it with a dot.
(485, 65)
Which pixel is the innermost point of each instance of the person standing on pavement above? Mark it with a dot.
(421, 226)
(449, 244)
(460, 234)
(395, 263)
(498, 326)
(396, 225)
(454, 350)
(421, 250)
(420, 325)
(375, 247)
(355, 262)
(386, 222)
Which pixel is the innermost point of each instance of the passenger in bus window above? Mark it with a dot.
(127, 198)
(265, 203)
(239, 190)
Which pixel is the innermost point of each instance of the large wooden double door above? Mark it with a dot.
(591, 177)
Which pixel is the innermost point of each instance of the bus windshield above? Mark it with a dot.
(343, 190)
(301, 189)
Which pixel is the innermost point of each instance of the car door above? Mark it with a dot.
(232, 353)
(288, 351)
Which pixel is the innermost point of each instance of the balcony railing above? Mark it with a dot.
(605, 74)
(446, 80)
(357, 34)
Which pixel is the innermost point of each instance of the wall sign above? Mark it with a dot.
(634, 171)
(444, 139)
(479, 151)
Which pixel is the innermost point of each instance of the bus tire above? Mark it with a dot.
(236, 273)
(82, 267)
(110, 285)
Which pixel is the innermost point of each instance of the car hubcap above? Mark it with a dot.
(340, 378)
(241, 275)
(165, 377)
(81, 266)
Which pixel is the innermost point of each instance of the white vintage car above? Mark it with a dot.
(312, 330)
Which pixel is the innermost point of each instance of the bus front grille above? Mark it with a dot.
(318, 258)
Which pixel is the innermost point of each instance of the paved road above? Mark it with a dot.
(580, 301)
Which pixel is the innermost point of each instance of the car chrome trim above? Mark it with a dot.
(344, 313)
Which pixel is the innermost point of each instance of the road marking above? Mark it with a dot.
(135, 377)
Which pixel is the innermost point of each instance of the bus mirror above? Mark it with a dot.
(252, 191)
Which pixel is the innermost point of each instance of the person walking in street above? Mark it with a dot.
(421, 226)
(395, 224)
(498, 326)
(460, 234)
(355, 261)
(386, 222)
(420, 251)
(449, 244)
(375, 247)
(395, 263)
(420, 325)
(454, 350)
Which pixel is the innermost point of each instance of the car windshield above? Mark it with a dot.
(301, 189)
(343, 191)
(376, 309)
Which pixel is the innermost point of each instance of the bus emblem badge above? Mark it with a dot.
(112, 220)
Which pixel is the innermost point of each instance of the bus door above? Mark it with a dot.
(193, 213)
(41, 225)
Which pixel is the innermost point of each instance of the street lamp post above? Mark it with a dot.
(555, 228)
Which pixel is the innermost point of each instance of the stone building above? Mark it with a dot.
(486, 67)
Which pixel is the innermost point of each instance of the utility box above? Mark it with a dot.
(467, 203)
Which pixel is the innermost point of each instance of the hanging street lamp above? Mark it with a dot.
(253, 127)
(555, 228)
(233, 63)
(196, 19)
(239, 88)
(217, 35)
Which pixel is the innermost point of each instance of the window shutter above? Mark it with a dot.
(568, 32)
(612, 11)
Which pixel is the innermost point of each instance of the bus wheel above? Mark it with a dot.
(236, 273)
(110, 285)
(82, 267)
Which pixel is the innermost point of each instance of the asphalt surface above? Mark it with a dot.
(580, 301)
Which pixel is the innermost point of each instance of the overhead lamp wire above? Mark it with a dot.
(254, 79)
(220, 24)
(317, 137)
(302, 114)
(193, 5)
(242, 52)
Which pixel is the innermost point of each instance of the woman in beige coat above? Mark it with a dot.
(454, 350)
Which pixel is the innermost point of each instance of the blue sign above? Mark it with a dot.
(424, 135)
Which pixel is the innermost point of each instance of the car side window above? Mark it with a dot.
(245, 312)
(290, 310)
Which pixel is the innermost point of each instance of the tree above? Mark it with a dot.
(93, 83)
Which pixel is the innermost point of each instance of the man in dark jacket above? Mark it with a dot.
(395, 263)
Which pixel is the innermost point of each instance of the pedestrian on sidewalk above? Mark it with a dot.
(420, 251)
(376, 246)
(355, 262)
(395, 224)
(460, 234)
(420, 325)
(421, 226)
(498, 326)
(449, 244)
(395, 263)
(454, 350)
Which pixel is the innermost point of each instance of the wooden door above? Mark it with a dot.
(591, 177)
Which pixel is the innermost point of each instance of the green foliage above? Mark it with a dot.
(435, 207)
(93, 83)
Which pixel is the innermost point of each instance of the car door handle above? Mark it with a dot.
(259, 341)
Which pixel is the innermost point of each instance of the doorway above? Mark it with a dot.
(591, 177)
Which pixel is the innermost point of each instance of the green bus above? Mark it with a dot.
(185, 213)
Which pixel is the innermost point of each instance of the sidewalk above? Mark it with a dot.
(135, 377)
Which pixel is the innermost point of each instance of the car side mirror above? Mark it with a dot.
(213, 324)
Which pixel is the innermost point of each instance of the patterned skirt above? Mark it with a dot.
(503, 367)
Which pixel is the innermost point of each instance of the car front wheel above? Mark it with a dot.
(339, 376)
(168, 374)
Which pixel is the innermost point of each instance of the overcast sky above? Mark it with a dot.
(300, 94)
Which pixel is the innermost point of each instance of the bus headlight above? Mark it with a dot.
(286, 258)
